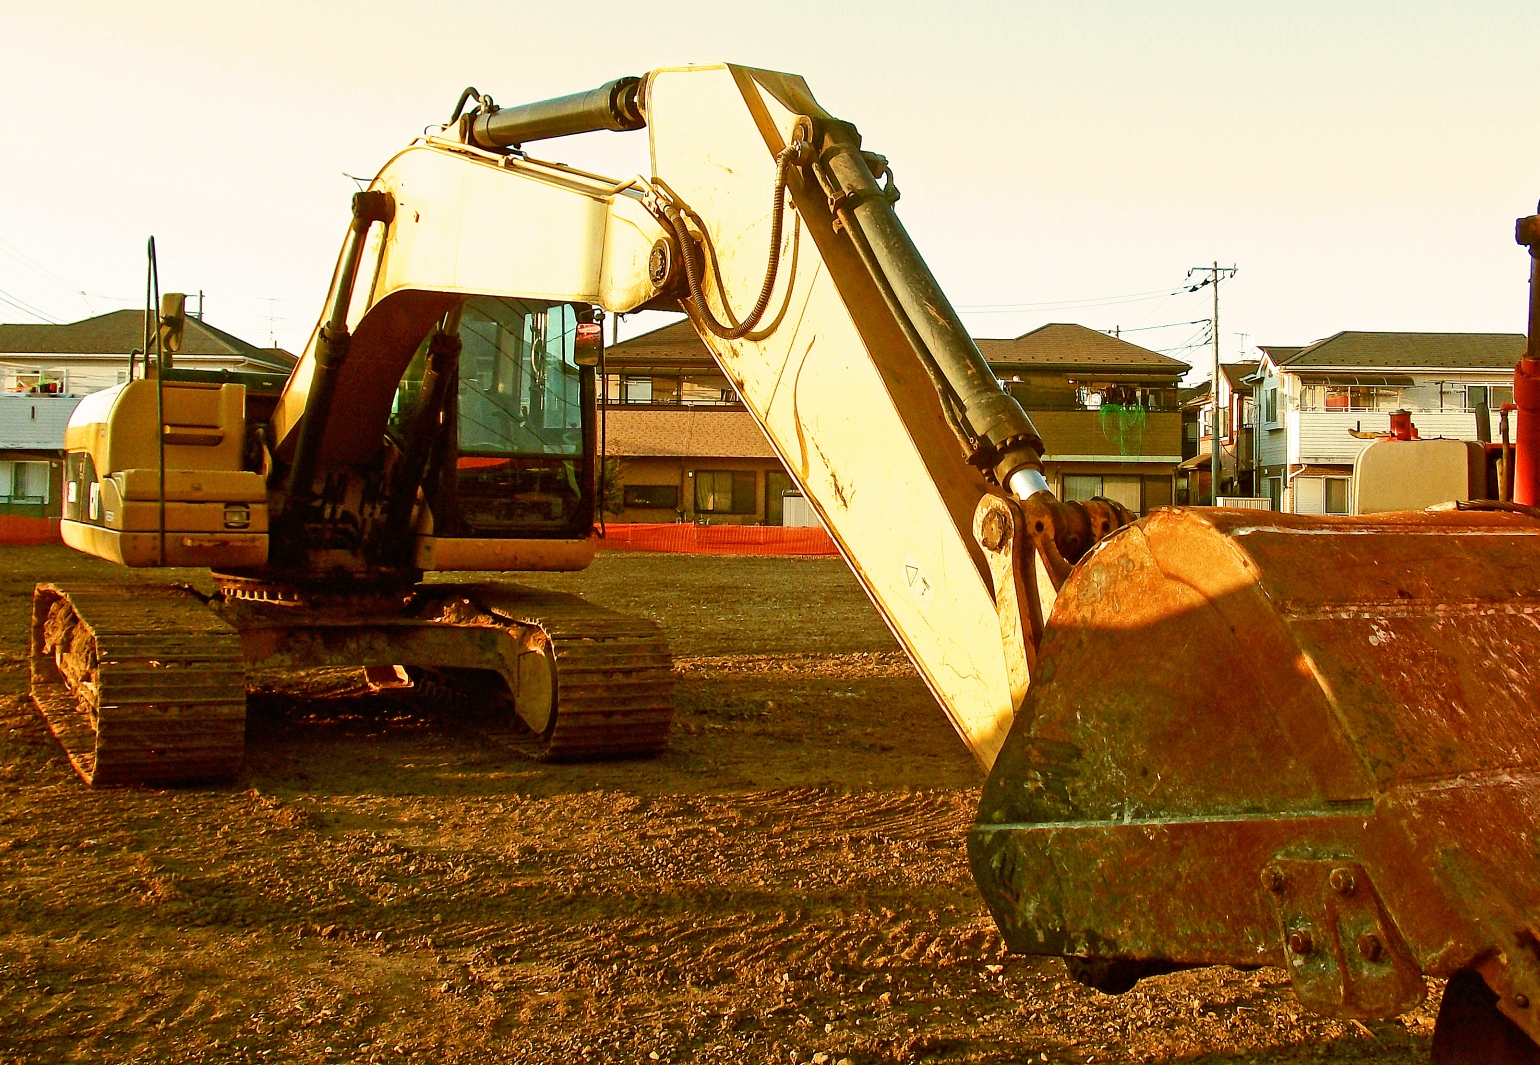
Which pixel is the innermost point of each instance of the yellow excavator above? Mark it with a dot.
(1211, 736)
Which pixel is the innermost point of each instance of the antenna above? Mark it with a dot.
(272, 316)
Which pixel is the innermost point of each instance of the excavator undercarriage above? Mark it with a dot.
(147, 685)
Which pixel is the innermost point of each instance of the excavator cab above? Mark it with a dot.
(521, 460)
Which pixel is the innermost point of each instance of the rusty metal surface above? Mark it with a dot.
(1471, 1030)
(1222, 696)
(607, 676)
(139, 685)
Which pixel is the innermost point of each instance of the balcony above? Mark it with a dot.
(1324, 437)
(1111, 434)
(673, 402)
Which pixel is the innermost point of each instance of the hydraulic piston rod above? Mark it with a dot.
(614, 105)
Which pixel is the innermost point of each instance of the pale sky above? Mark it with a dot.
(1362, 164)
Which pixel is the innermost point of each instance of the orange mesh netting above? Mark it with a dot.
(17, 531)
(690, 539)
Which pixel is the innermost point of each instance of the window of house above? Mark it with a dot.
(42, 382)
(1270, 406)
(1125, 490)
(1082, 486)
(636, 390)
(1336, 498)
(1157, 492)
(1308, 496)
(24, 482)
(656, 496)
(724, 491)
(1348, 397)
(1275, 492)
(1321, 495)
(706, 391)
(1494, 396)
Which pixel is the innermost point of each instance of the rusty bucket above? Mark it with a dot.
(1266, 739)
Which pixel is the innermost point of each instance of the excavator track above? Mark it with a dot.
(140, 685)
(614, 674)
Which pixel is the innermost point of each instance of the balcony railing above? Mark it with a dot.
(1111, 433)
(676, 403)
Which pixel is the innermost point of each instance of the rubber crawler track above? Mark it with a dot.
(140, 684)
(614, 674)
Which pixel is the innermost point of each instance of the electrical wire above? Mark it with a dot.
(1146, 328)
(1006, 308)
(26, 308)
(14, 253)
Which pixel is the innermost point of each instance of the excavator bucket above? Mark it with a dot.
(1267, 739)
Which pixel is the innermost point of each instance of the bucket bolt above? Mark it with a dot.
(1300, 942)
(1341, 881)
(1371, 947)
(1521, 1001)
(1273, 880)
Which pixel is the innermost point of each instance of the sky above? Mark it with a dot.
(1361, 165)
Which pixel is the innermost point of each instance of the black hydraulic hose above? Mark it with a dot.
(692, 267)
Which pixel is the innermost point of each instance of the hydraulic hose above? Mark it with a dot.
(692, 267)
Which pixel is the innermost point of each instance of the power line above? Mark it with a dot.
(1145, 328)
(14, 253)
(26, 308)
(1006, 308)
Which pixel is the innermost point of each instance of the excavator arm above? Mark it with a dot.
(770, 226)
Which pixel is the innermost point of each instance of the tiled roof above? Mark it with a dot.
(674, 345)
(1235, 372)
(1064, 346)
(723, 434)
(1280, 353)
(120, 332)
(1442, 351)
(1058, 346)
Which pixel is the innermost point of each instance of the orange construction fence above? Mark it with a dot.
(20, 531)
(690, 539)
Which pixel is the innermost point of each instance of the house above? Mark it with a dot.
(1237, 464)
(689, 450)
(46, 369)
(1311, 400)
(94, 353)
(686, 447)
(1107, 411)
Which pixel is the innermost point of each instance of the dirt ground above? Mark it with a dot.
(786, 884)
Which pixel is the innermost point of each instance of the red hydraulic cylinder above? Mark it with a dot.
(1526, 379)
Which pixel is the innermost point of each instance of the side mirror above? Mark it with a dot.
(173, 318)
(589, 347)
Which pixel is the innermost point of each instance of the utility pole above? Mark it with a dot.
(1216, 274)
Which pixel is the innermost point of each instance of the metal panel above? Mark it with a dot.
(837, 389)
(1344, 783)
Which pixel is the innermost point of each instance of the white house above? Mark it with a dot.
(1309, 401)
(45, 369)
(94, 353)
